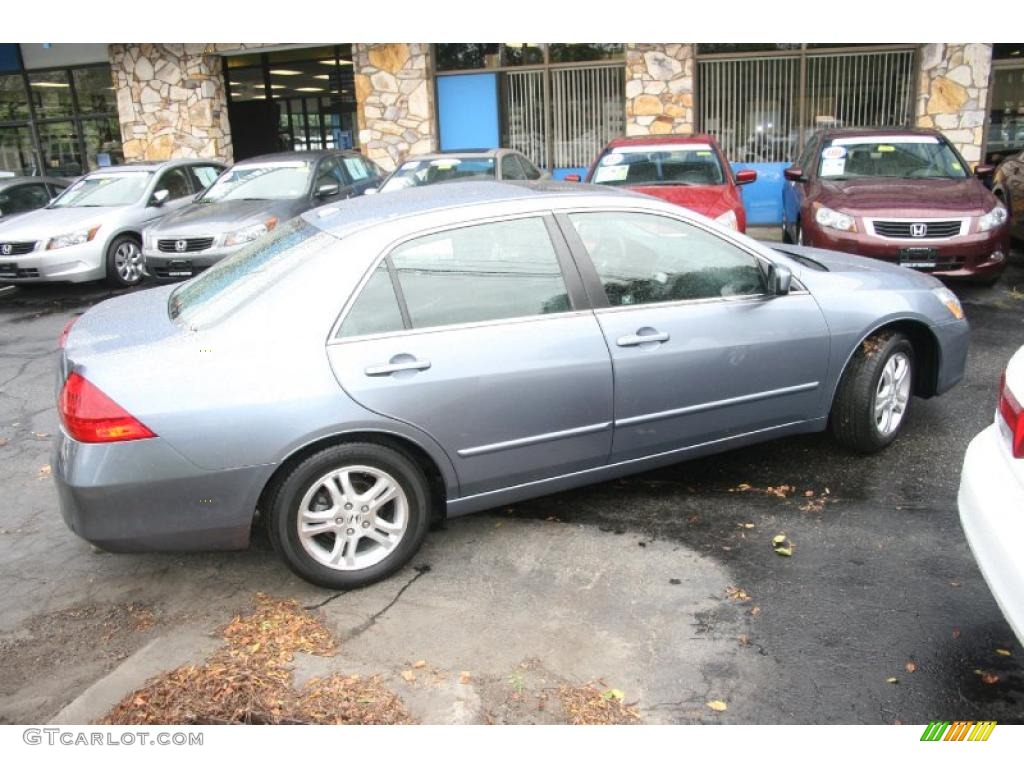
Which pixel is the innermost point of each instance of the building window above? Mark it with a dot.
(1006, 102)
(296, 99)
(58, 122)
(762, 101)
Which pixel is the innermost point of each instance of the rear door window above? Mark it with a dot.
(494, 271)
(376, 309)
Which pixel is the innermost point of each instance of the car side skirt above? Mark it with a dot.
(476, 503)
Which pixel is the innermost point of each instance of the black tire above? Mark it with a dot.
(785, 234)
(852, 419)
(798, 238)
(282, 518)
(114, 277)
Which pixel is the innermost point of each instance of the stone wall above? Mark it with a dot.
(952, 93)
(395, 101)
(659, 88)
(171, 100)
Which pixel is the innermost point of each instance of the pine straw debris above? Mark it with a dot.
(251, 680)
(590, 705)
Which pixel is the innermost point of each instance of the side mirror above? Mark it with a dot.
(574, 177)
(160, 197)
(794, 173)
(746, 176)
(780, 277)
(984, 171)
(327, 190)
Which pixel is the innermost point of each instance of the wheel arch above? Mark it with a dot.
(927, 354)
(437, 480)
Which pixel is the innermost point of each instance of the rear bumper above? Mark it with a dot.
(991, 502)
(74, 264)
(144, 496)
(978, 256)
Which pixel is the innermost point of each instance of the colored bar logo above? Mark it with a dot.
(959, 730)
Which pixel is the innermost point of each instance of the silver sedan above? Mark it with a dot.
(93, 230)
(386, 361)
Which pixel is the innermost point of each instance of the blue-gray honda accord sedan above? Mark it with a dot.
(379, 363)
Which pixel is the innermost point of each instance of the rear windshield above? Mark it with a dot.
(236, 280)
(896, 157)
(690, 164)
(418, 173)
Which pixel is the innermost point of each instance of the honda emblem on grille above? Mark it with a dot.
(918, 230)
(7, 249)
(180, 245)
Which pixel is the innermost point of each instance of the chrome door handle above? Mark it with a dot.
(407, 365)
(636, 340)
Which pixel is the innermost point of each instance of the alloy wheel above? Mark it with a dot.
(352, 517)
(892, 394)
(128, 262)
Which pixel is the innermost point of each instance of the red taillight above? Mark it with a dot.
(1012, 413)
(89, 416)
(63, 338)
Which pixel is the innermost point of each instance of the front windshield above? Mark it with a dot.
(894, 157)
(105, 190)
(418, 173)
(689, 164)
(261, 181)
(234, 281)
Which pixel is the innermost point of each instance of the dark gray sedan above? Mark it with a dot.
(249, 200)
(21, 194)
(397, 358)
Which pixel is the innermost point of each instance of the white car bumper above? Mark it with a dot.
(991, 504)
(75, 264)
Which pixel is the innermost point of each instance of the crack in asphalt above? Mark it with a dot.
(421, 570)
(324, 602)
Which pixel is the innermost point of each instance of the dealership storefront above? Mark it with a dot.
(67, 109)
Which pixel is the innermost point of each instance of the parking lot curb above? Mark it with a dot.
(159, 655)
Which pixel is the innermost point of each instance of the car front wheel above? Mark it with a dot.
(350, 515)
(874, 393)
(124, 262)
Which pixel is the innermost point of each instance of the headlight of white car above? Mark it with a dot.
(949, 301)
(994, 218)
(250, 233)
(831, 219)
(72, 238)
(728, 219)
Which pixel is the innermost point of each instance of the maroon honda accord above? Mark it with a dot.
(904, 196)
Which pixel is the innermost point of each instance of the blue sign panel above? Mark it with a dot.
(467, 111)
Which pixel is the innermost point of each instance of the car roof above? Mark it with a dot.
(665, 138)
(836, 133)
(494, 152)
(342, 219)
(309, 155)
(12, 181)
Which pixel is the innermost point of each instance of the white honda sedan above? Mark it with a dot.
(992, 497)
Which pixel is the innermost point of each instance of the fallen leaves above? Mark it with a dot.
(988, 678)
(3, 441)
(1003, 652)
(465, 678)
(717, 705)
(737, 594)
(911, 667)
(44, 472)
(408, 675)
(892, 680)
(782, 545)
(591, 704)
(249, 681)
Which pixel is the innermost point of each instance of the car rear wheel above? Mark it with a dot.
(350, 515)
(874, 393)
(124, 262)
